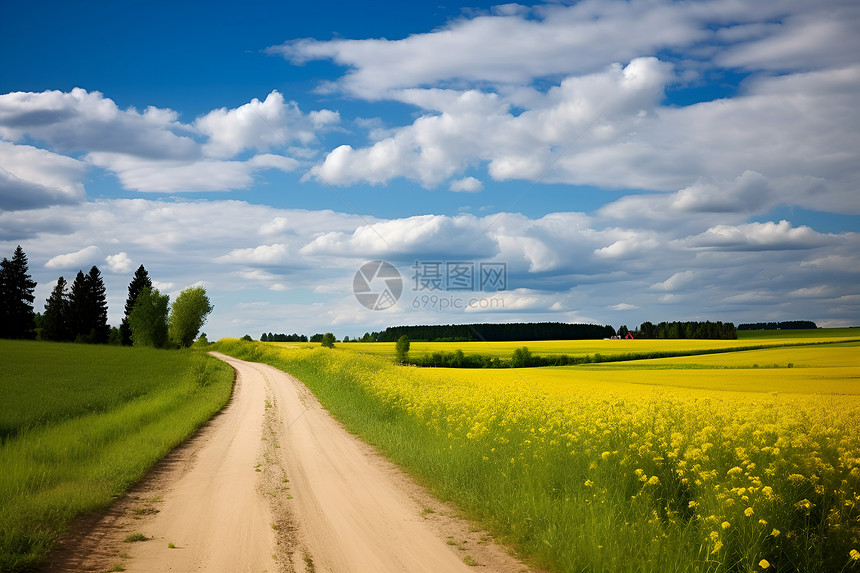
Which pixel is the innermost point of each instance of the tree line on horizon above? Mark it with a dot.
(514, 331)
(283, 337)
(785, 325)
(691, 329)
(529, 331)
(80, 313)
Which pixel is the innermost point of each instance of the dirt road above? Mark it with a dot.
(273, 483)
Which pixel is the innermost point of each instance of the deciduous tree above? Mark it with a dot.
(187, 316)
(328, 340)
(148, 318)
(401, 348)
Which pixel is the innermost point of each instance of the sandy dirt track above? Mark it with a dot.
(273, 483)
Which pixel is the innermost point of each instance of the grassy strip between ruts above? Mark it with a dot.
(81, 424)
(607, 475)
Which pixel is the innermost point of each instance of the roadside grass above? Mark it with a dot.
(81, 424)
(627, 470)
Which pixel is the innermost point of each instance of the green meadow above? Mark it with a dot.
(81, 424)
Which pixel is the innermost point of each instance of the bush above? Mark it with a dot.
(401, 348)
(522, 358)
(328, 340)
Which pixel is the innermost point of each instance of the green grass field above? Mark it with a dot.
(80, 424)
(721, 463)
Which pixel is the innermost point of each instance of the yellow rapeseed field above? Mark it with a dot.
(825, 356)
(549, 347)
(708, 463)
(602, 347)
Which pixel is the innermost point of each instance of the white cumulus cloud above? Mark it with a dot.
(31, 177)
(260, 125)
(261, 255)
(467, 185)
(119, 263)
(148, 151)
(80, 259)
(767, 236)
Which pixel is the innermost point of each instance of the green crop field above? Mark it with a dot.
(80, 424)
(722, 463)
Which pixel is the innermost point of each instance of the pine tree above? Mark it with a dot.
(56, 322)
(89, 308)
(16, 298)
(99, 308)
(139, 282)
(79, 308)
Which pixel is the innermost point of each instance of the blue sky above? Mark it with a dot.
(625, 161)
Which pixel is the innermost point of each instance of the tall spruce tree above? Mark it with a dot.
(96, 285)
(139, 282)
(16, 297)
(56, 322)
(78, 308)
(88, 303)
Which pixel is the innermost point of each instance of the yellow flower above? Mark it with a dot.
(749, 511)
(717, 546)
(725, 525)
(588, 483)
(855, 555)
(762, 521)
(804, 505)
(654, 480)
(763, 564)
(775, 532)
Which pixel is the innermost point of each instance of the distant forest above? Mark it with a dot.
(519, 331)
(269, 337)
(533, 331)
(708, 329)
(787, 325)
